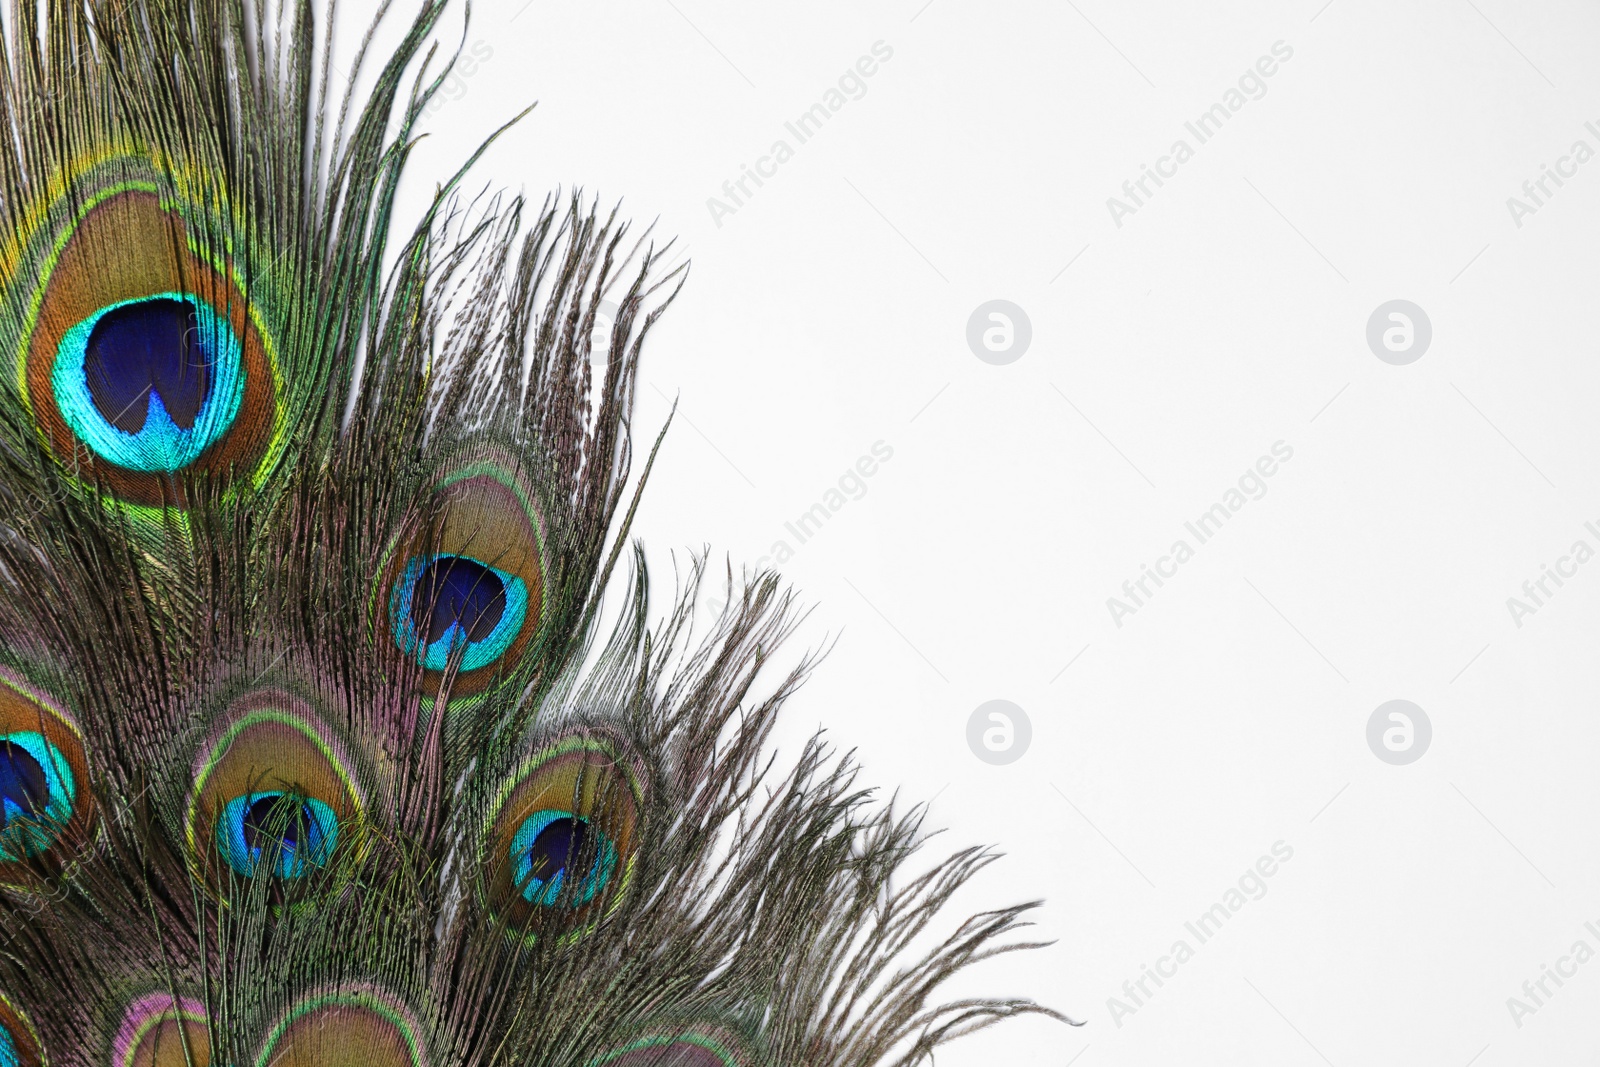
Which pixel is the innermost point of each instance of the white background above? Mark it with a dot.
(829, 312)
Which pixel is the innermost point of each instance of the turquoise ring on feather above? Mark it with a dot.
(147, 348)
(36, 794)
(274, 793)
(563, 836)
(150, 384)
(546, 848)
(468, 578)
(292, 834)
(47, 812)
(447, 602)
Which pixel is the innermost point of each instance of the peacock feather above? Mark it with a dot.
(320, 743)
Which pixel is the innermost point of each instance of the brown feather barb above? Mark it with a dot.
(316, 745)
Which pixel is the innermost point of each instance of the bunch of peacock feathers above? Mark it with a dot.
(316, 747)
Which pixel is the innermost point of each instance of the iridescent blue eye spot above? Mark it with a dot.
(454, 591)
(443, 602)
(544, 849)
(37, 791)
(24, 789)
(149, 384)
(295, 833)
(149, 348)
(8, 1049)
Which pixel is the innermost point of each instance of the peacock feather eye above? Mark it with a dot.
(686, 1047)
(472, 586)
(292, 833)
(561, 841)
(46, 811)
(144, 351)
(37, 790)
(160, 1030)
(443, 603)
(149, 385)
(553, 848)
(273, 793)
(19, 1043)
(353, 1027)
